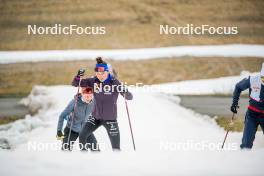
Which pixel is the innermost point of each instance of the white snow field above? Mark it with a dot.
(229, 50)
(222, 85)
(169, 139)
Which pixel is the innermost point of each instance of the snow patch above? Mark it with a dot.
(222, 86)
(41, 102)
(230, 50)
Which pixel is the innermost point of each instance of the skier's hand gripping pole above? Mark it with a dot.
(60, 135)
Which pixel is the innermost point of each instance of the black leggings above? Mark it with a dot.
(111, 127)
(90, 141)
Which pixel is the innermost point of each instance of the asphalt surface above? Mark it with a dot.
(213, 105)
(11, 107)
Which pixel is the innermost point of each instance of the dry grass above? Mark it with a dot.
(6, 120)
(130, 24)
(18, 79)
(237, 126)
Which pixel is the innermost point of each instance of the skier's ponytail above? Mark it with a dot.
(99, 60)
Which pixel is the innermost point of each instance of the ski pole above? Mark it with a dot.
(130, 126)
(74, 110)
(231, 122)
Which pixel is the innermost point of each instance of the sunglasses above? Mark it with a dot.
(100, 69)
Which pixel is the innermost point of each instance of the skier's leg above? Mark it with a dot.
(73, 137)
(261, 122)
(92, 143)
(250, 128)
(89, 127)
(112, 129)
(65, 139)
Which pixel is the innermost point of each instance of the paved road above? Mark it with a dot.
(10, 107)
(213, 105)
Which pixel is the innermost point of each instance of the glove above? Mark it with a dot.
(234, 108)
(59, 134)
(123, 89)
(81, 72)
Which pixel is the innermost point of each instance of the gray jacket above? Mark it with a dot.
(83, 111)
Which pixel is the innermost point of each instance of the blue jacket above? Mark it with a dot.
(105, 107)
(83, 111)
(246, 84)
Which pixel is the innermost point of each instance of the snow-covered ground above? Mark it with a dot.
(231, 50)
(214, 86)
(170, 140)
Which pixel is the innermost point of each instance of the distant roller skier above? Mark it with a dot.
(255, 113)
